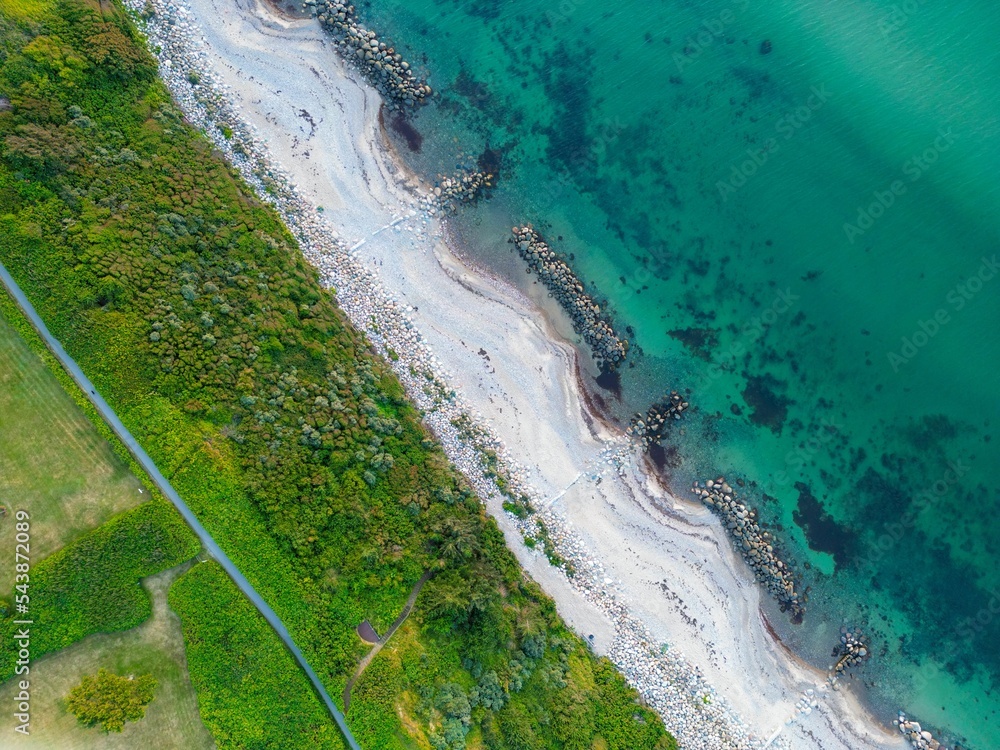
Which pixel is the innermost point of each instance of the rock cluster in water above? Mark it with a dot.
(464, 187)
(381, 64)
(755, 545)
(853, 650)
(652, 427)
(609, 351)
(919, 737)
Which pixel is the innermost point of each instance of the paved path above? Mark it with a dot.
(161, 482)
(410, 601)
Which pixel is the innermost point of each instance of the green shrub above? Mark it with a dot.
(111, 700)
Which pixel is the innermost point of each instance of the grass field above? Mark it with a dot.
(155, 647)
(53, 462)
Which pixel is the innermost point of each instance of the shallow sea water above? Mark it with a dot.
(807, 241)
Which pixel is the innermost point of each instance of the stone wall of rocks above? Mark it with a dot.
(919, 737)
(756, 545)
(653, 426)
(384, 68)
(463, 188)
(853, 650)
(608, 349)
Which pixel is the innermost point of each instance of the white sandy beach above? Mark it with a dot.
(673, 569)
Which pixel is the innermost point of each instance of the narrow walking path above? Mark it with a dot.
(168, 491)
(410, 601)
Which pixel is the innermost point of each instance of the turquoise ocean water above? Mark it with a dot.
(807, 240)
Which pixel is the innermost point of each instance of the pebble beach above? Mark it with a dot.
(655, 584)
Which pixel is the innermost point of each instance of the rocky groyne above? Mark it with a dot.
(853, 650)
(384, 68)
(755, 544)
(608, 349)
(463, 188)
(652, 427)
(918, 737)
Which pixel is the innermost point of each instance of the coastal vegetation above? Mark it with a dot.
(251, 692)
(190, 307)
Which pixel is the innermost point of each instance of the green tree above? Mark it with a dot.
(110, 700)
(454, 538)
(489, 693)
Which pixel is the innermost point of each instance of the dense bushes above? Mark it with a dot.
(251, 692)
(92, 585)
(188, 304)
(111, 700)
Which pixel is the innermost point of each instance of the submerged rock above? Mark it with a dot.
(464, 187)
(919, 737)
(652, 427)
(853, 650)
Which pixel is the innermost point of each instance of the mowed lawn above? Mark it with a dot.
(53, 462)
(156, 647)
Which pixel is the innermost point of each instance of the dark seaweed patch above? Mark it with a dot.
(568, 88)
(822, 532)
(490, 162)
(610, 381)
(700, 341)
(927, 434)
(769, 409)
(881, 500)
(665, 457)
(476, 92)
(756, 81)
(401, 126)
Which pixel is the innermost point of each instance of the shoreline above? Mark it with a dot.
(435, 348)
